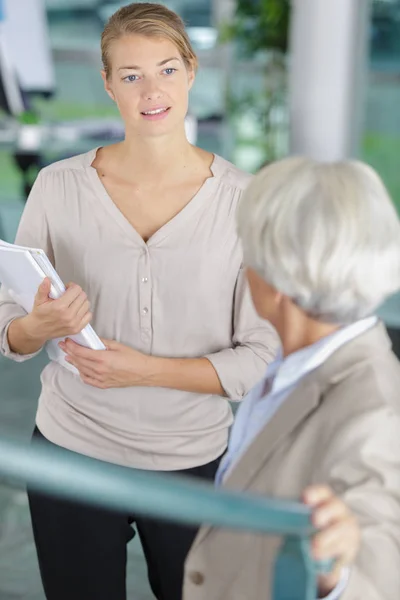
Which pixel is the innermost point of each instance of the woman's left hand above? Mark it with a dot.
(118, 366)
(339, 534)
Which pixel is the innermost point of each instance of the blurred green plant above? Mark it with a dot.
(59, 110)
(259, 25)
(28, 117)
(259, 32)
(382, 151)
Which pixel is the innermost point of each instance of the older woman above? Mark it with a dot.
(322, 247)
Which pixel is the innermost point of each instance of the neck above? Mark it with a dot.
(297, 330)
(164, 155)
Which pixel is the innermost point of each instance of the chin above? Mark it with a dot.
(168, 126)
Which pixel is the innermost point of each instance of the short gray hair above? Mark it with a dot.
(324, 234)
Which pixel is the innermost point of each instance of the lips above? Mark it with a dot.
(156, 111)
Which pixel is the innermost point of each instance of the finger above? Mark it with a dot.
(89, 373)
(94, 382)
(329, 581)
(338, 541)
(42, 294)
(316, 494)
(329, 512)
(81, 319)
(81, 302)
(110, 344)
(78, 351)
(85, 321)
(68, 349)
(83, 364)
(83, 310)
(85, 370)
(72, 292)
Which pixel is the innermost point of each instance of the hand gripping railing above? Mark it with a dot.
(72, 476)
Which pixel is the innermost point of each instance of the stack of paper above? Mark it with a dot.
(22, 270)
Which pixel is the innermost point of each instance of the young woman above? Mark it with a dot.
(147, 229)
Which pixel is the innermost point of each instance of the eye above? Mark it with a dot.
(130, 78)
(169, 71)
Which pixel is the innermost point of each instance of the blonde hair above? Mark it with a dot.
(325, 235)
(151, 20)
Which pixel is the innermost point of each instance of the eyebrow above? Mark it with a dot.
(160, 64)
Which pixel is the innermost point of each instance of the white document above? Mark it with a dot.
(22, 270)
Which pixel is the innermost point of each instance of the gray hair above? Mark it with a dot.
(325, 235)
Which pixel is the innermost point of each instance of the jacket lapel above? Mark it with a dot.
(297, 406)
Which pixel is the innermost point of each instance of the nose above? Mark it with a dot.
(152, 90)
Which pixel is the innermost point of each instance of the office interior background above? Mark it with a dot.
(240, 108)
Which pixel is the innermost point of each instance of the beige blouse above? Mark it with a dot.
(181, 294)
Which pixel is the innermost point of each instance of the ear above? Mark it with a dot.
(107, 85)
(191, 77)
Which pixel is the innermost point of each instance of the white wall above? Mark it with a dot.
(25, 34)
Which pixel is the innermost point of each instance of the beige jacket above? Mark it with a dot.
(341, 426)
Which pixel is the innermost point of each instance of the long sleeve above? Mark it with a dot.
(33, 232)
(370, 485)
(254, 346)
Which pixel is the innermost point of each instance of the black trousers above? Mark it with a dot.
(82, 550)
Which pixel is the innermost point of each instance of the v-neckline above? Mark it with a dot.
(188, 210)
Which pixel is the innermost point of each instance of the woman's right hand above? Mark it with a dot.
(63, 317)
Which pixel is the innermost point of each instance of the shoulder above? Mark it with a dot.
(377, 381)
(74, 163)
(365, 404)
(363, 371)
(230, 175)
(56, 182)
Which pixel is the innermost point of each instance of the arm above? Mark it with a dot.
(187, 374)
(254, 346)
(362, 464)
(16, 340)
(231, 372)
(21, 339)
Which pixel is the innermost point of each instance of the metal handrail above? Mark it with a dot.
(66, 474)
